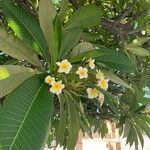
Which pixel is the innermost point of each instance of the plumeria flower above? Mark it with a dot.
(64, 66)
(92, 93)
(103, 83)
(91, 63)
(99, 75)
(57, 87)
(49, 79)
(82, 72)
(101, 98)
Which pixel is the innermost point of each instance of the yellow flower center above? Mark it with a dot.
(82, 72)
(57, 86)
(64, 65)
(94, 92)
(49, 80)
(103, 83)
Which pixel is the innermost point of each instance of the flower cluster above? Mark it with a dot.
(82, 72)
(56, 86)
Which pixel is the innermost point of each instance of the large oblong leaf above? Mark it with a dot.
(47, 15)
(25, 26)
(11, 76)
(14, 47)
(63, 9)
(116, 79)
(69, 40)
(25, 116)
(138, 51)
(108, 57)
(86, 16)
(73, 122)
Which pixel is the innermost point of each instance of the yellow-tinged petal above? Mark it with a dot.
(92, 93)
(99, 75)
(57, 87)
(49, 79)
(82, 72)
(101, 98)
(103, 83)
(91, 63)
(64, 66)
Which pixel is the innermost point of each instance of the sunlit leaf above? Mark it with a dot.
(14, 47)
(11, 76)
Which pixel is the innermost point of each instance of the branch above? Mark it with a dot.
(25, 4)
(126, 11)
(74, 3)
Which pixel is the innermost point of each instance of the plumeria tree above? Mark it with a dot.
(70, 66)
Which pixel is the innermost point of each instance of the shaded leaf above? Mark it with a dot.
(56, 40)
(47, 15)
(63, 9)
(138, 51)
(73, 122)
(86, 16)
(62, 122)
(138, 42)
(116, 79)
(110, 58)
(81, 48)
(69, 40)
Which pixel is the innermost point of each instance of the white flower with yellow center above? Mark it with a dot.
(57, 87)
(49, 79)
(101, 98)
(99, 74)
(103, 83)
(92, 93)
(82, 72)
(64, 66)
(91, 63)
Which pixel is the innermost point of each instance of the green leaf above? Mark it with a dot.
(81, 47)
(138, 42)
(56, 40)
(117, 60)
(47, 15)
(87, 55)
(138, 51)
(11, 76)
(73, 123)
(25, 26)
(63, 9)
(25, 116)
(14, 47)
(62, 122)
(69, 40)
(90, 36)
(110, 58)
(140, 136)
(116, 79)
(86, 16)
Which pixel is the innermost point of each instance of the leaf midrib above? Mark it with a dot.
(26, 116)
(25, 27)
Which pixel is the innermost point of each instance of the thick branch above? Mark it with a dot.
(74, 3)
(126, 11)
